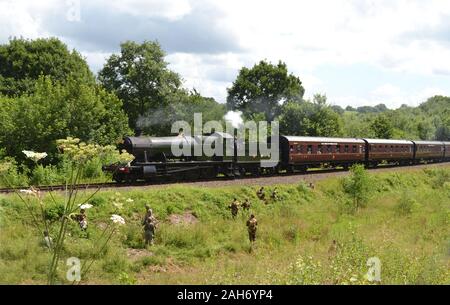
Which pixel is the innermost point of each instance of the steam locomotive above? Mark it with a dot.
(155, 159)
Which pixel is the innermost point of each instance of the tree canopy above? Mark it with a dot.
(310, 118)
(23, 61)
(55, 111)
(263, 89)
(139, 76)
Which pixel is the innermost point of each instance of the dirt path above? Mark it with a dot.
(311, 176)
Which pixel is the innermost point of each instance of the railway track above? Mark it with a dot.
(320, 173)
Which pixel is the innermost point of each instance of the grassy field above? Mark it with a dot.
(405, 223)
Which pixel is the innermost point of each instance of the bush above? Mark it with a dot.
(115, 265)
(93, 169)
(11, 175)
(438, 177)
(357, 186)
(45, 175)
(54, 212)
(406, 204)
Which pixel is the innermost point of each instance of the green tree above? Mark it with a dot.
(295, 118)
(55, 111)
(140, 78)
(310, 118)
(382, 127)
(264, 88)
(357, 186)
(159, 122)
(22, 62)
(338, 109)
(425, 130)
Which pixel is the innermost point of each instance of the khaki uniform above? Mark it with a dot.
(234, 206)
(252, 224)
(149, 224)
(149, 230)
(274, 195)
(261, 194)
(82, 221)
(246, 205)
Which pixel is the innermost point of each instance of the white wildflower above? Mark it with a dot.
(129, 200)
(117, 219)
(85, 206)
(354, 278)
(35, 156)
(118, 205)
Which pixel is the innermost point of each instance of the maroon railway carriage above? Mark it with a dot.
(398, 151)
(447, 151)
(428, 151)
(299, 153)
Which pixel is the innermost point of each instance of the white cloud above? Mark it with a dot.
(390, 35)
(171, 9)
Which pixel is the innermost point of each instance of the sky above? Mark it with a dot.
(357, 52)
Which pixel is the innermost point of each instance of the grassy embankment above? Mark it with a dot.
(405, 223)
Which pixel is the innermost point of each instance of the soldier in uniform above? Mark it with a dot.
(48, 241)
(149, 224)
(148, 212)
(246, 204)
(274, 195)
(252, 224)
(234, 206)
(82, 220)
(261, 194)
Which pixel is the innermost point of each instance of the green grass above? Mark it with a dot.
(405, 223)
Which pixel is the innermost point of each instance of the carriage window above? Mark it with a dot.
(346, 148)
(291, 148)
(329, 150)
(299, 148)
(319, 149)
(309, 149)
(354, 149)
(392, 147)
(338, 148)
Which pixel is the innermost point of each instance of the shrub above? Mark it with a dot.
(115, 265)
(438, 177)
(93, 169)
(357, 186)
(45, 175)
(11, 175)
(54, 212)
(405, 204)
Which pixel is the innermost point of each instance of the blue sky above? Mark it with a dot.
(357, 52)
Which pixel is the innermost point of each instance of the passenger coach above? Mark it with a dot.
(299, 153)
(428, 151)
(390, 151)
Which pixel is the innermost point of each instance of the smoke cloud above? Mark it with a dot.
(234, 118)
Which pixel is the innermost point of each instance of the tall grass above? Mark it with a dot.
(405, 223)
